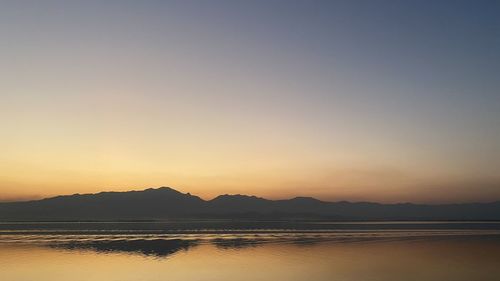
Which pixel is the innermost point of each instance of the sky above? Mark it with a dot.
(387, 101)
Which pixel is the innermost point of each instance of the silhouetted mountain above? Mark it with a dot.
(167, 203)
(238, 204)
(147, 204)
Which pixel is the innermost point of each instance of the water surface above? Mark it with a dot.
(452, 253)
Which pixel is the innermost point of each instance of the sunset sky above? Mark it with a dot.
(388, 101)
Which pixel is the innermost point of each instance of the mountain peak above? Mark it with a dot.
(163, 189)
(305, 199)
(226, 197)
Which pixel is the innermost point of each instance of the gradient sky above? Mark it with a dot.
(386, 101)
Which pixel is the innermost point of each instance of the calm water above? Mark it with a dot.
(453, 253)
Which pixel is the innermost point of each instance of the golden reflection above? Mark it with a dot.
(436, 260)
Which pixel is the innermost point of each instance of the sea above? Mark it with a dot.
(230, 250)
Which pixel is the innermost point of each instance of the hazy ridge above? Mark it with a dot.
(168, 203)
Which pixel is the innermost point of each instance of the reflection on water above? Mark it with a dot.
(155, 247)
(385, 255)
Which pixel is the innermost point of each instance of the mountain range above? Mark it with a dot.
(167, 203)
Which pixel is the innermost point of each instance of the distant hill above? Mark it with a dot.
(167, 203)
